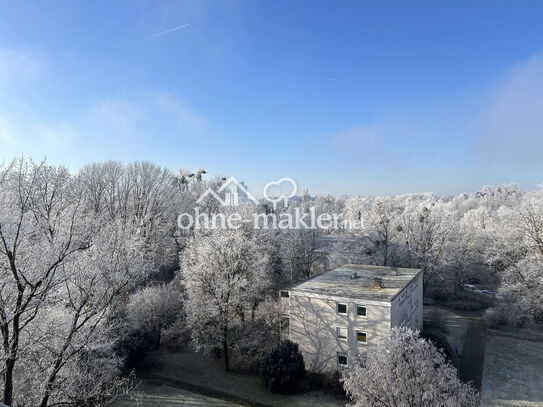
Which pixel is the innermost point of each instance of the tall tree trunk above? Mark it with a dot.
(8, 381)
(12, 355)
(225, 352)
(158, 337)
(253, 309)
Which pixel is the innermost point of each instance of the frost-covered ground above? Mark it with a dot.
(197, 374)
(156, 395)
(513, 372)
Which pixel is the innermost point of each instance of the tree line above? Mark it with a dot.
(94, 271)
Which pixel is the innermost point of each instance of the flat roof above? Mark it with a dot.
(340, 282)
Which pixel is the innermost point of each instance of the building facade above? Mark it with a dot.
(340, 314)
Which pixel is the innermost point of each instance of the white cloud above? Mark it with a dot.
(117, 127)
(511, 127)
(114, 114)
(184, 114)
(19, 64)
(143, 112)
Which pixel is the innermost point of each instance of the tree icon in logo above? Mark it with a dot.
(284, 184)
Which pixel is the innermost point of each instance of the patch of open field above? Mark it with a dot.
(513, 372)
(195, 369)
(154, 395)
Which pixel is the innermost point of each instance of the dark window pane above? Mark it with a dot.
(361, 311)
(284, 294)
(342, 308)
(342, 360)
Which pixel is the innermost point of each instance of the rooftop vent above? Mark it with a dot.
(354, 275)
(394, 271)
(377, 283)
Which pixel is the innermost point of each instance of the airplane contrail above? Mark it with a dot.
(167, 31)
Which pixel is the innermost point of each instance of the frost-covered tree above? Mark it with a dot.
(42, 226)
(427, 228)
(405, 370)
(73, 336)
(299, 252)
(350, 251)
(64, 267)
(153, 309)
(141, 195)
(379, 217)
(222, 271)
(522, 287)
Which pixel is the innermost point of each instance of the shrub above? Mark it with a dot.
(336, 384)
(134, 347)
(328, 382)
(283, 369)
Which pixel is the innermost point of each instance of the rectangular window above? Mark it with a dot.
(285, 325)
(342, 359)
(342, 309)
(284, 294)
(360, 311)
(361, 337)
(341, 333)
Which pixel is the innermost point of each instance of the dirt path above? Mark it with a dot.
(472, 361)
(465, 333)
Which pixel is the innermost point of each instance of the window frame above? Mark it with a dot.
(365, 311)
(339, 338)
(343, 355)
(346, 308)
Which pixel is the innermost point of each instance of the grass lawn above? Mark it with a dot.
(192, 368)
(155, 395)
(513, 372)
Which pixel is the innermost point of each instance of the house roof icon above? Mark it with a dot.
(231, 188)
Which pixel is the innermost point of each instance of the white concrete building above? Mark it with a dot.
(339, 314)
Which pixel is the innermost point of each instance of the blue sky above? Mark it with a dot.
(357, 97)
